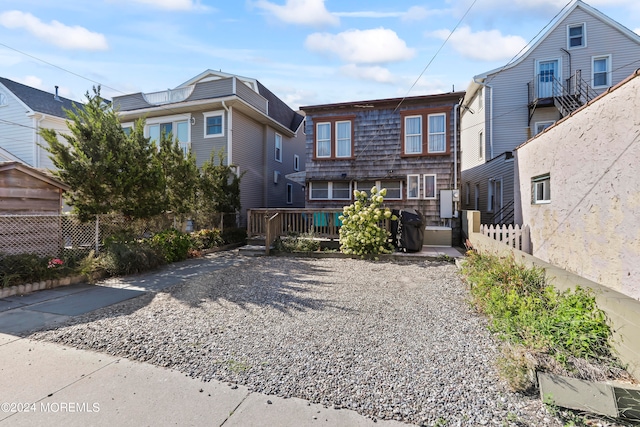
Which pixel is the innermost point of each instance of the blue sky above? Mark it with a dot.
(306, 51)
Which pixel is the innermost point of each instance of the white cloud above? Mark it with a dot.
(414, 13)
(302, 12)
(174, 4)
(482, 45)
(32, 81)
(375, 73)
(362, 46)
(637, 31)
(56, 33)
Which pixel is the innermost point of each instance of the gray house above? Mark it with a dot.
(258, 133)
(408, 146)
(25, 110)
(583, 54)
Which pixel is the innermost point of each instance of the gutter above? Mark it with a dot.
(490, 114)
(455, 155)
(229, 133)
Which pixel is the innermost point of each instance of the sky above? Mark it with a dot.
(307, 52)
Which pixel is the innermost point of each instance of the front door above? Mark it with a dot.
(548, 73)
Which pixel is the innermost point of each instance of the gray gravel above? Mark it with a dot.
(389, 340)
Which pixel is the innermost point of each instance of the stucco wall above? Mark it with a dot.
(592, 225)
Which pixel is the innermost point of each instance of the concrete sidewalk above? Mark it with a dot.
(49, 384)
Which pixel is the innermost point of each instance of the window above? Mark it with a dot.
(481, 145)
(289, 194)
(334, 137)
(177, 126)
(424, 131)
(540, 126)
(477, 197)
(340, 190)
(413, 135)
(366, 186)
(490, 196)
(429, 186)
(278, 148)
(213, 125)
(127, 128)
(394, 189)
(576, 36)
(541, 189)
(437, 134)
(600, 66)
(296, 162)
(467, 194)
(480, 99)
(413, 186)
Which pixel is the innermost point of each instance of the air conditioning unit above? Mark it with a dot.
(276, 176)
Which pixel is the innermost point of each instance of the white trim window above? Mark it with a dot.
(490, 195)
(127, 128)
(541, 189)
(289, 194)
(467, 193)
(481, 145)
(576, 36)
(394, 189)
(430, 186)
(413, 186)
(277, 155)
(413, 135)
(600, 71)
(541, 126)
(323, 139)
(328, 190)
(213, 124)
(296, 162)
(437, 133)
(343, 139)
(177, 126)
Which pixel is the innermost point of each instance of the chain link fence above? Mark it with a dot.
(49, 235)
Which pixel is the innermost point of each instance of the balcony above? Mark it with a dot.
(168, 96)
(547, 91)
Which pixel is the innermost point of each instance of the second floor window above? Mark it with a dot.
(437, 133)
(213, 124)
(343, 139)
(424, 131)
(600, 67)
(575, 36)
(177, 126)
(323, 140)
(413, 135)
(278, 148)
(333, 137)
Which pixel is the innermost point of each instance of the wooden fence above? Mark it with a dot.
(516, 237)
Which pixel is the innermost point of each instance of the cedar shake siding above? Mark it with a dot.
(378, 153)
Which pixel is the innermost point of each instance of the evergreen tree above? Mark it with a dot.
(219, 190)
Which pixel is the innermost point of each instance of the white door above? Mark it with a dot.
(548, 72)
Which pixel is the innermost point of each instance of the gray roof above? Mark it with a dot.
(39, 100)
(279, 111)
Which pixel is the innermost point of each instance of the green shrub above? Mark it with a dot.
(234, 235)
(207, 238)
(524, 309)
(19, 269)
(122, 258)
(361, 233)
(298, 243)
(172, 244)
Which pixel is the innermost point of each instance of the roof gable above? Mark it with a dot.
(38, 100)
(41, 174)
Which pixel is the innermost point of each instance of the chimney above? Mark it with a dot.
(56, 97)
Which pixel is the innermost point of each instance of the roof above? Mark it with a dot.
(385, 102)
(38, 100)
(279, 111)
(474, 85)
(41, 174)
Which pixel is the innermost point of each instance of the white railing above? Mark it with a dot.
(168, 96)
(514, 236)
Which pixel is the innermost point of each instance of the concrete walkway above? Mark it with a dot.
(50, 384)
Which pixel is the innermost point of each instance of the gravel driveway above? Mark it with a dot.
(391, 340)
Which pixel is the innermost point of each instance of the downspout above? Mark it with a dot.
(455, 155)
(490, 115)
(229, 134)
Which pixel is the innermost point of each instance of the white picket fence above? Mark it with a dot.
(514, 236)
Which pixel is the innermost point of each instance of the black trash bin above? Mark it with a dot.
(407, 232)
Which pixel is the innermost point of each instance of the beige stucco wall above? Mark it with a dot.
(592, 225)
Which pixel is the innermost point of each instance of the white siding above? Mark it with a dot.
(16, 129)
(472, 123)
(42, 155)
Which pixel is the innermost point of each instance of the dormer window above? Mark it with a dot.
(576, 36)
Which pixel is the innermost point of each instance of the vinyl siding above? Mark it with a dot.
(134, 101)
(499, 168)
(18, 136)
(472, 122)
(212, 89)
(202, 147)
(252, 97)
(60, 126)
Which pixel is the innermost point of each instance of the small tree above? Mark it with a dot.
(361, 233)
(181, 177)
(219, 190)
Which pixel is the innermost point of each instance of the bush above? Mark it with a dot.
(234, 235)
(206, 239)
(361, 233)
(122, 258)
(172, 244)
(525, 310)
(298, 243)
(19, 269)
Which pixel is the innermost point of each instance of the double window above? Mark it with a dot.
(393, 187)
(424, 132)
(428, 186)
(334, 138)
(328, 190)
(177, 126)
(601, 70)
(541, 189)
(576, 36)
(213, 124)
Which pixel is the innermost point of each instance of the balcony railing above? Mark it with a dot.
(567, 96)
(168, 96)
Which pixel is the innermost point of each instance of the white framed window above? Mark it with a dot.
(289, 194)
(480, 99)
(323, 140)
(601, 71)
(430, 186)
(467, 194)
(437, 133)
(541, 189)
(177, 126)
(541, 126)
(296, 162)
(213, 124)
(278, 148)
(327, 190)
(394, 189)
(481, 145)
(366, 186)
(413, 186)
(490, 195)
(576, 36)
(343, 139)
(413, 135)
(127, 128)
